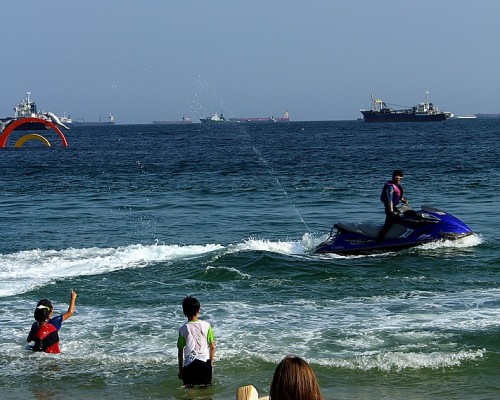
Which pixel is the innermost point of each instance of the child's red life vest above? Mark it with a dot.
(47, 339)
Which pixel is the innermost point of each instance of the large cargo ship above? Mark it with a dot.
(182, 121)
(252, 120)
(216, 118)
(487, 116)
(103, 121)
(380, 112)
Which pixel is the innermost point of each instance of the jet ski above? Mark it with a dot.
(413, 228)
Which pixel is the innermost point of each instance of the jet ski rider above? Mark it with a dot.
(392, 194)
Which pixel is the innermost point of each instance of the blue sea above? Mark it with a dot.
(135, 217)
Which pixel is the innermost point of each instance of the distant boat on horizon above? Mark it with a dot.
(182, 121)
(108, 120)
(250, 120)
(219, 118)
(214, 118)
(426, 111)
(487, 115)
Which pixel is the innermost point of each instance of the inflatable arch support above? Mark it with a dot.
(31, 136)
(13, 125)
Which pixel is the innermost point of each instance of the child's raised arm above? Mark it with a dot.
(71, 307)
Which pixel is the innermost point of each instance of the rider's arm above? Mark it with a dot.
(390, 195)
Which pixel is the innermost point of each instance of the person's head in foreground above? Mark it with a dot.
(294, 380)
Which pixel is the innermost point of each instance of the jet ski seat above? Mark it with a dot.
(369, 229)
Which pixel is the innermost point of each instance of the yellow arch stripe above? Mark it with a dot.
(31, 136)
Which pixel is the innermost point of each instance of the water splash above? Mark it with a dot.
(270, 170)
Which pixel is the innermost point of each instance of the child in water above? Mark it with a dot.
(196, 346)
(44, 332)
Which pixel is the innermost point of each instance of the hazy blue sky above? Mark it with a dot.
(318, 59)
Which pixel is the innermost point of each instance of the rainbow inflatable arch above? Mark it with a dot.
(5, 133)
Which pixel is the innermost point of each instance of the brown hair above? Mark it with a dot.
(294, 379)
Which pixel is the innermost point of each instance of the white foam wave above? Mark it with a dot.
(297, 247)
(468, 241)
(23, 271)
(365, 333)
(268, 245)
(398, 361)
(386, 333)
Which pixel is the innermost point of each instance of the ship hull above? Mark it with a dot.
(92, 123)
(185, 122)
(374, 116)
(257, 120)
(216, 118)
(489, 116)
(210, 121)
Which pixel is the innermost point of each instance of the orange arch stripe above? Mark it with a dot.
(31, 136)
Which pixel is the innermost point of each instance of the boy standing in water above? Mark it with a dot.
(44, 332)
(196, 346)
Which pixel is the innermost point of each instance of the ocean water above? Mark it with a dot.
(135, 217)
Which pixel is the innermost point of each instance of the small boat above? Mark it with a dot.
(66, 119)
(413, 229)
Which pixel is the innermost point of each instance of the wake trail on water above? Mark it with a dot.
(27, 270)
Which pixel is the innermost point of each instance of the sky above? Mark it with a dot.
(144, 60)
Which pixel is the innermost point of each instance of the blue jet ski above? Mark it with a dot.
(413, 228)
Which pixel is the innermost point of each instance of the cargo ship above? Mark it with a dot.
(182, 121)
(103, 121)
(487, 115)
(426, 111)
(216, 118)
(252, 120)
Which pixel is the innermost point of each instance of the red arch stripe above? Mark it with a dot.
(13, 125)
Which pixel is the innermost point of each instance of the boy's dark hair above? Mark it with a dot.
(190, 306)
(45, 302)
(397, 172)
(42, 313)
